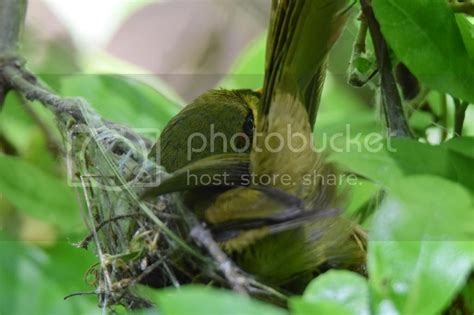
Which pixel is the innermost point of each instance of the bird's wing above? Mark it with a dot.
(241, 216)
(215, 171)
(284, 156)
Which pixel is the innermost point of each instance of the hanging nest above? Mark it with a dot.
(158, 243)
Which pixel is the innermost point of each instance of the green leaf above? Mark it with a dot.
(200, 300)
(451, 160)
(336, 293)
(400, 157)
(123, 100)
(377, 165)
(414, 157)
(462, 145)
(426, 38)
(39, 194)
(34, 281)
(421, 247)
(461, 156)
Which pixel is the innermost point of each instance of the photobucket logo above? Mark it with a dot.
(286, 140)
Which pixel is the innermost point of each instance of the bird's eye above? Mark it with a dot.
(249, 126)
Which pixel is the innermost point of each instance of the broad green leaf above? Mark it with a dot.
(462, 145)
(399, 157)
(461, 156)
(377, 166)
(200, 300)
(123, 100)
(414, 157)
(451, 160)
(426, 38)
(39, 194)
(34, 281)
(335, 293)
(421, 247)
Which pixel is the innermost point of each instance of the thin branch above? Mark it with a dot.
(12, 17)
(108, 281)
(233, 274)
(356, 78)
(85, 242)
(27, 85)
(80, 294)
(392, 102)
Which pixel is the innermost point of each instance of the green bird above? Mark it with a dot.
(274, 213)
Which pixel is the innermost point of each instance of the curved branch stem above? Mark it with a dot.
(392, 102)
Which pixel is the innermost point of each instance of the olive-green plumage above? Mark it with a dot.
(217, 122)
(283, 231)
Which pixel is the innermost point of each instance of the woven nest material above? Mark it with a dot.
(138, 242)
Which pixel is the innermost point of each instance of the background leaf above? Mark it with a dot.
(335, 292)
(38, 280)
(200, 300)
(426, 38)
(421, 249)
(122, 100)
(39, 194)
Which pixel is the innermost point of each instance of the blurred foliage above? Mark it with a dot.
(440, 59)
(122, 100)
(421, 249)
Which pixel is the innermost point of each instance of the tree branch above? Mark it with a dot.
(12, 17)
(233, 274)
(392, 102)
(27, 85)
